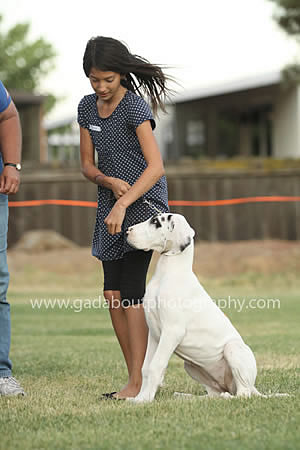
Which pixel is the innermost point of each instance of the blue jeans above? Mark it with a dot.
(5, 363)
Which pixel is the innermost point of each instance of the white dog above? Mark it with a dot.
(182, 318)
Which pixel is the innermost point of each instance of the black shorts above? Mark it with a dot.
(128, 275)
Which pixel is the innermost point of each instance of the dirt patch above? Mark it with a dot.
(265, 257)
(210, 260)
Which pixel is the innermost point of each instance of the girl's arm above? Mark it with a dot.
(87, 159)
(153, 172)
(92, 173)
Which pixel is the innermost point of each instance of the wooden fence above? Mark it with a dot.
(212, 223)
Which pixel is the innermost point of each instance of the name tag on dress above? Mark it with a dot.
(94, 128)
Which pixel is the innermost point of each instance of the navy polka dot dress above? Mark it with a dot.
(120, 156)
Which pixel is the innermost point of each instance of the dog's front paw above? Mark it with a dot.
(139, 399)
(226, 395)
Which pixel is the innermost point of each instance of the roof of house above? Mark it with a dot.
(59, 123)
(229, 87)
(27, 97)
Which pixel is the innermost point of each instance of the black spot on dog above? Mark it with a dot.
(184, 246)
(162, 219)
(169, 217)
(154, 221)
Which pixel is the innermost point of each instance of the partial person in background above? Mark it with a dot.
(10, 158)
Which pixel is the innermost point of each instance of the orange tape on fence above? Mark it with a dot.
(52, 202)
(234, 201)
(230, 201)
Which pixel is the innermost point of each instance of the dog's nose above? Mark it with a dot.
(128, 230)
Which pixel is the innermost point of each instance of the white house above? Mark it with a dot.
(253, 117)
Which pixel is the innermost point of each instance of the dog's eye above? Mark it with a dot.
(156, 222)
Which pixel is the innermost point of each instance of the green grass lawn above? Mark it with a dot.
(66, 359)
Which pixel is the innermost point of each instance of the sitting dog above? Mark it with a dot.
(182, 318)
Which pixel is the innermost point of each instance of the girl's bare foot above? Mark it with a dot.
(130, 390)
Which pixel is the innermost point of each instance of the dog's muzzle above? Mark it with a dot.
(130, 237)
(137, 236)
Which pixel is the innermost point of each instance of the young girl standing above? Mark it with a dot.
(117, 123)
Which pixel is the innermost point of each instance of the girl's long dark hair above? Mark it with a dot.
(108, 54)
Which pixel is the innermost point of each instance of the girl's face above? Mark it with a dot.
(106, 84)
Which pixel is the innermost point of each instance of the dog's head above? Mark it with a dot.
(166, 233)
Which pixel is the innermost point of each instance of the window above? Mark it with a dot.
(195, 138)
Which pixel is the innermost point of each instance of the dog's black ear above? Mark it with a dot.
(171, 222)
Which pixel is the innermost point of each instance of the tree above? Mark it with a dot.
(287, 15)
(22, 63)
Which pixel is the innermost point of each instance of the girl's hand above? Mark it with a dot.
(119, 187)
(115, 219)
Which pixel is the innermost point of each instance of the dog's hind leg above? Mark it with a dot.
(241, 361)
(213, 390)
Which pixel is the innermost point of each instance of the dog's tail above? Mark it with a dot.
(276, 394)
(254, 392)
